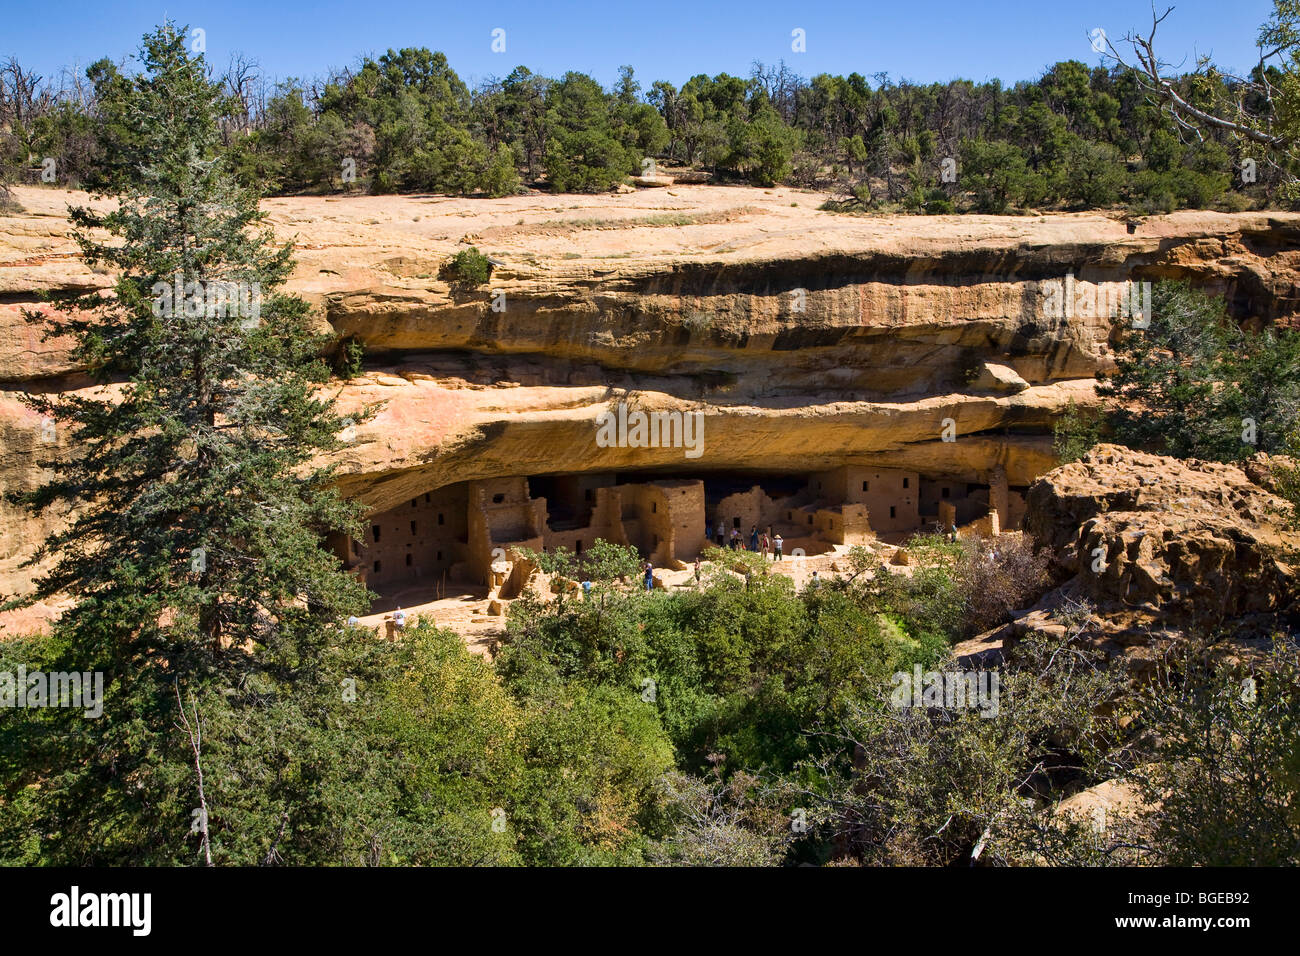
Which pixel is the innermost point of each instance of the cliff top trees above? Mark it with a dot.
(588, 148)
(1087, 136)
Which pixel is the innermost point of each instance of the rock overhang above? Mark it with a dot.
(685, 300)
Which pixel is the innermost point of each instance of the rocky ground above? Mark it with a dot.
(1159, 551)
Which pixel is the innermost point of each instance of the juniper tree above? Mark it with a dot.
(1195, 385)
(193, 553)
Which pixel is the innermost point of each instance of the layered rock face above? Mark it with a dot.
(808, 340)
(1161, 548)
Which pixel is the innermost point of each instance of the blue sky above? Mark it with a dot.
(923, 40)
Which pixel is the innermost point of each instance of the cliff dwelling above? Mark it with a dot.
(916, 387)
(454, 534)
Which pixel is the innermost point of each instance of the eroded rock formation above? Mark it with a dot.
(1161, 549)
(809, 341)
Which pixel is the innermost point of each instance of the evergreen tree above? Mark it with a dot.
(194, 551)
(1194, 385)
(583, 152)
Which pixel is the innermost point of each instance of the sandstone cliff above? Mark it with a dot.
(809, 339)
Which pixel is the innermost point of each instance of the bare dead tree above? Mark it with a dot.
(273, 853)
(76, 89)
(195, 733)
(239, 80)
(23, 94)
(1161, 82)
(338, 76)
(244, 85)
(780, 84)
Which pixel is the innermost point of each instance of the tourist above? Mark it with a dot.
(735, 539)
(952, 532)
(399, 618)
(697, 571)
(766, 543)
(753, 538)
(814, 582)
(586, 590)
(779, 544)
(708, 531)
(649, 576)
(353, 620)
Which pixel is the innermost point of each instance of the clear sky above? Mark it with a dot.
(922, 40)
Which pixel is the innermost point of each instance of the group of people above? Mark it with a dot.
(764, 543)
(647, 569)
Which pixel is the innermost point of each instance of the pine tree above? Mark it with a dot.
(194, 550)
(192, 467)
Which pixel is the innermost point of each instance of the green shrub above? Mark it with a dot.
(468, 267)
(1075, 432)
(351, 358)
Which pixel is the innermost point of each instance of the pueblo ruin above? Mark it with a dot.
(456, 534)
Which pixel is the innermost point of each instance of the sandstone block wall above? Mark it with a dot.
(892, 498)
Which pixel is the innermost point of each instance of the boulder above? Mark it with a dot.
(1161, 548)
(996, 377)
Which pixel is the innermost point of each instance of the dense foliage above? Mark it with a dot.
(1194, 384)
(1078, 137)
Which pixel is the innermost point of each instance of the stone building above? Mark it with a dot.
(422, 541)
(456, 533)
(892, 498)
